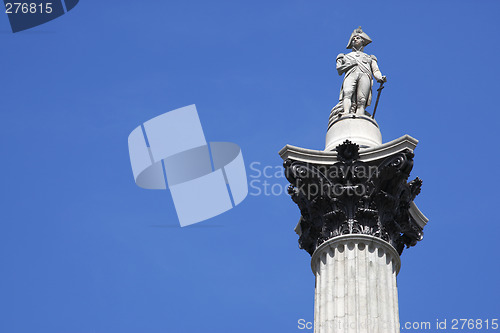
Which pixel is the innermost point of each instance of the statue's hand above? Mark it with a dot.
(384, 79)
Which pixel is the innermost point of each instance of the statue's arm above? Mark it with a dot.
(376, 71)
(343, 65)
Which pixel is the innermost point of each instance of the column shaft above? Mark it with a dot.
(356, 289)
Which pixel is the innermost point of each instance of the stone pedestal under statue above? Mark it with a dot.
(362, 130)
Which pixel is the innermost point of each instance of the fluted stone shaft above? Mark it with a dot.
(356, 287)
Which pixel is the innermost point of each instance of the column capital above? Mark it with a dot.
(346, 195)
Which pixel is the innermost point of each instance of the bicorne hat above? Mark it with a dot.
(359, 32)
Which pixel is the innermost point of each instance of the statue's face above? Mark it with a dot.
(357, 42)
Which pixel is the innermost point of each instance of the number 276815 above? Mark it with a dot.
(28, 8)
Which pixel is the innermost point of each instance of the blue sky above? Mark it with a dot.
(84, 250)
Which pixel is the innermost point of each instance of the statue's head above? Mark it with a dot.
(358, 39)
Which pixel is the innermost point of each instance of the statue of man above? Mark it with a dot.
(360, 69)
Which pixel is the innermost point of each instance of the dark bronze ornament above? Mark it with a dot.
(355, 197)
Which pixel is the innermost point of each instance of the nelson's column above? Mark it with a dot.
(356, 205)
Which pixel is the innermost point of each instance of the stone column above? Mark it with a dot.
(356, 217)
(356, 286)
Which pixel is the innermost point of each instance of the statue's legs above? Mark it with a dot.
(363, 91)
(349, 87)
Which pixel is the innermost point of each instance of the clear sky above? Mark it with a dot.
(84, 250)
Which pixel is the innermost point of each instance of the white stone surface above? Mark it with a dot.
(362, 130)
(356, 287)
(365, 155)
